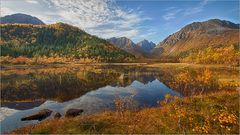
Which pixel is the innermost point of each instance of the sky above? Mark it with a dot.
(153, 20)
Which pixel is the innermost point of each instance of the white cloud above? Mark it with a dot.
(103, 18)
(169, 8)
(32, 1)
(197, 9)
(99, 17)
(171, 14)
(6, 11)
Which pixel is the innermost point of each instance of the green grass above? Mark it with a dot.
(217, 113)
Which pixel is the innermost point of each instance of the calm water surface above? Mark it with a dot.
(94, 88)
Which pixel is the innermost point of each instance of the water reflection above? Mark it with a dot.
(56, 84)
(94, 88)
(103, 98)
(22, 105)
(98, 100)
(66, 83)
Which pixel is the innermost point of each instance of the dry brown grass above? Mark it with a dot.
(215, 113)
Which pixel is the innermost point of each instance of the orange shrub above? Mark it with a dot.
(21, 60)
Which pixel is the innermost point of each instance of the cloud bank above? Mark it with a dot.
(103, 18)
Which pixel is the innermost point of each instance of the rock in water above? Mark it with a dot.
(41, 115)
(73, 112)
(57, 115)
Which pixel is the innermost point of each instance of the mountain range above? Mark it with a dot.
(21, 19)
(78, 43)
(140, 49)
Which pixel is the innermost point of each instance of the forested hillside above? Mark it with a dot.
(57, 40)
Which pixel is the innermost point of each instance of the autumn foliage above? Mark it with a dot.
(213, 114)
(57, 40)
(215, 55)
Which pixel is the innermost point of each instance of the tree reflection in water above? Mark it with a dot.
(66, 83)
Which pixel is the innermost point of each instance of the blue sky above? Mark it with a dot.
(153, 20)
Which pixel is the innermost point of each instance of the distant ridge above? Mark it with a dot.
(146, 45)
(141, 49)
(21, 19)
(127, 45)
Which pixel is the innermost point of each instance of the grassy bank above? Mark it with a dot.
(214, 113)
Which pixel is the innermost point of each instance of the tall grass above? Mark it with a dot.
(217, 113)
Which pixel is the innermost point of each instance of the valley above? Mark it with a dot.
(106, 74)
(64, 43)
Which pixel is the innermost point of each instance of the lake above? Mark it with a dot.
(94, 88)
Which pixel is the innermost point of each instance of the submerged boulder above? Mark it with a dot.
(73, 112)
(41, 115)
(57, 115)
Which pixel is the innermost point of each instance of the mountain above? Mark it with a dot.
(20, 19)
(197, 36)
(140, 49)
(127, 45)
(122, 42)
(58, 39)
(146, 45)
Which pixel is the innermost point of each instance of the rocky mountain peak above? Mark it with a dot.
(146, 45)
(199, 35)
(211, 24)
(211, 27)
(122, 42)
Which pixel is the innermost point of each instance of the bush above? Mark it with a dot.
(215, 55)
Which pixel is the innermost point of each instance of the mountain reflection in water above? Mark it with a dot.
(94, 88)
(26, 88)
(98, 100)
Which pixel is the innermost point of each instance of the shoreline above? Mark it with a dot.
(144, 64)
(152, 115)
